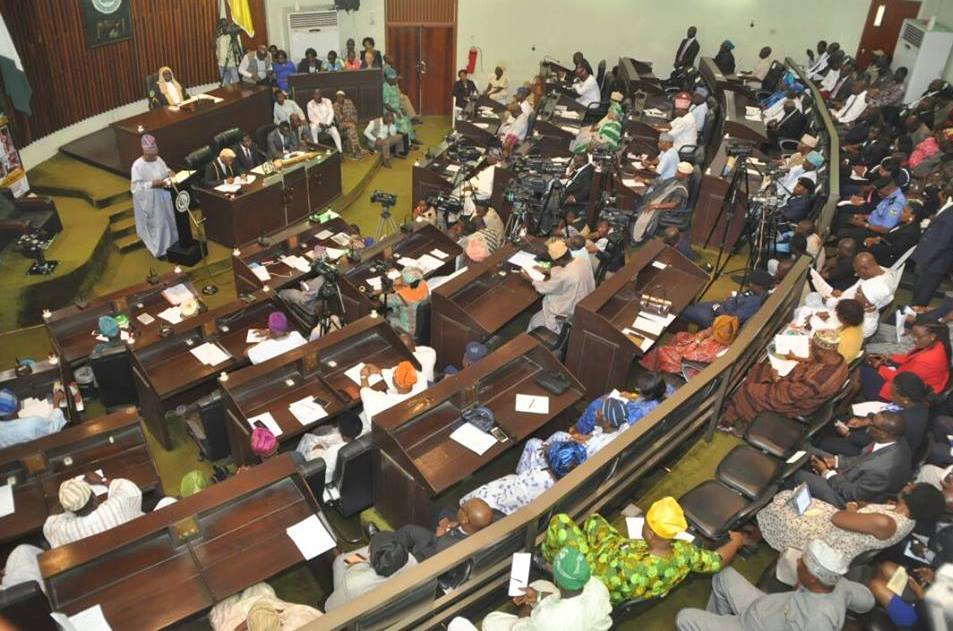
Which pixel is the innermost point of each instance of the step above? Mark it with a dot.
(122, 227)
(119, 210)
(127, 242)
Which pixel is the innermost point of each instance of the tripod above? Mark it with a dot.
(329, 301)
(387, 225)
(235, 52)
(737, 186)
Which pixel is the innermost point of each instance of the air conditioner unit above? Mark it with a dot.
(312, 29)
(924, 52)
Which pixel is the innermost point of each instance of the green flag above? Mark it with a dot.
(11, 68)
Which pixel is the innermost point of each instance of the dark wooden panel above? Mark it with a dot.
(436, 83)
(403, 45)
(421, 11)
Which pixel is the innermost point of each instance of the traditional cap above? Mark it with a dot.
(226, 153)
(616, 96)
(387, 553)
(74, 494)
(581, 150)
(193, 482)
(390, 73)
(815, 158)
(411, 275)
(477, 250)
(9, 404)
(570, 569)
(683, 100)
(725, 328)
(405, 375)
(666, 137)
(341, 92)
(475, 352)
(807, 183)
(263, 442)
(557, 249)
(148, 143)
(565, 456)
(685, 168)
(761, 278)
(614, 411)
(666, 518)
(809, 140)
(189, 308)
(165, 501)
(824, 562)
(728, 44)
(522, 91)
(826, 338)
(278, 322)
(108, 326)
(262, 617)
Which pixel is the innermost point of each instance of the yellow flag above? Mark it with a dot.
(241, 15)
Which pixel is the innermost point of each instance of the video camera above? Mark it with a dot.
(385, 199)
(538, 164)
(445, 203)
(734, 149)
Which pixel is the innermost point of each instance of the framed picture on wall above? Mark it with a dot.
(106, 21)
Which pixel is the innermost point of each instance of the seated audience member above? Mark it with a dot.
(742, 306)
(819, 603)
(661, 196)
(284, 108)
(474, 352)
(665, 164)
(472, 516)
(325, 442)
(699, 107)
(512, 492)
(724, 58)
(884, 217)
(426, 356)
(282, 69)
(170, 91)
(585, 86)
(513, 128)
(361, 571)
(279, 338)
(682, 126)
(221, 169)
(332, 63)
(404, 383)
(577, 602)
(310, 63)
(649, 567)
(382, 136)
(877, 474)
(247, 154)
(255, 67)
(903, 610)
(321, 119)
(673, 237)
(20, 426)
(806, 145)
(890, 246)
(593, 430)
(282, 141)
(874, 291)
(789, 126)
(497, 87)
(410, 291)
(351, 61)
(809, 385)
(703, 347)
(847, 319)
(800, 202)
(464, 90)
(853, 106)
(929, 360)
(345, 114)
(85, 514)
(22, 566)
(258, 608)
(570, 280)
(108, 328)
(853, 530)
(838, 271)
(651, 390)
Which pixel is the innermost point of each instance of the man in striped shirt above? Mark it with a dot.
(85, 514)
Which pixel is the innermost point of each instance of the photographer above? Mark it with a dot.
(409, 291)
(225, 52)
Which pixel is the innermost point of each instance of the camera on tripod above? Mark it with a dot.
(739, 149)
(616, 217)
(447, 204)
(385, 199)
(602, 155)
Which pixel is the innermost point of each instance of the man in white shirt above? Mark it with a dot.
(514, 128)
(854, 106)
(85, 515)
(280, 339)
(682, 128)
(256, 66)
(586, 87)
(665, 163)
(321, 117)
(570, 280)
(760, 70)
(325, 442)
(831, 78)
(699, 108)
(284, 108)
(405, 381)
(382, 135)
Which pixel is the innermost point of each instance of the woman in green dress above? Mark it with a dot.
(392, 104)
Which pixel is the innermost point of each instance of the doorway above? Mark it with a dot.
(421, 39)
(883, 27)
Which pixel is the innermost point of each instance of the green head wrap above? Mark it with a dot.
(570, 569)
(193, 482)
(616, 109)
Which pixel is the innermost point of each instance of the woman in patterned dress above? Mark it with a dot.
(345, 115)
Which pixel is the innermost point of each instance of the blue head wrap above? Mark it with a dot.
(390, 73)
(108, 326)
(9, 404)
(815, 158)
(587, 422)
(564, 457)
(614, 412)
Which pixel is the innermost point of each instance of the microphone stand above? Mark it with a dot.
(210, 288)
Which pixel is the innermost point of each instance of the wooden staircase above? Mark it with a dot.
(122, 225)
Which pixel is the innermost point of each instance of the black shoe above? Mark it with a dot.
(370, 529)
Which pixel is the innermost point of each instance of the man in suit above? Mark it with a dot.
(247, 154)
(934, 256)
(878, 473)
(221, 169)
(790, 125)
(281, 141)
(742, 306)
(687, 50)
(801, 200)
(579, 185)
(472, 516)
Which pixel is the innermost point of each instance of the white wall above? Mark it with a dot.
(520, 32)
(367, 21)
(943, 10)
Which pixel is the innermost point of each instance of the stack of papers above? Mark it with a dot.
(307, 410)
(527, 261)
(177, 294)
(145, 319)
(254, 336)
(797, 344)
(210, 354)
(652, 327)
(311, 537)
(91, 619)
(631, 183)
(481, 126)
(654, 112)
(634, 526)
(228, 188)
(532, 404)
(324, 234)
(341, 239)
(428, 263)
(572, 114)
(867, 407)
(659, 265)
(440, 254)
(297, 262)
(406, 261)
(334, 254)
(570, 128)
(268, 421)
(261, 272)
(519, 573)
(374, 282)
(6, 500)
(172, 315)
(473, 438)
(781, 366)
(182, 176)
(639, 339)
(354, 374)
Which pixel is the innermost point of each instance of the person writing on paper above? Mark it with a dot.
(170, 91)
(929, 360)
(410, 291)
(279, 338)
(577, 602)
(742, 306)
(85, 515)
(646, 568)
(108, 328)
(361, 571)
(809, 385)
(703, 346)
(258, 608)
(407, 381)
(570, 280)
(36, 422)
(222, 169)
(152, 201)
(847, 320)
(326, 441)
(819, 603)
(512, 492)
(666, 162)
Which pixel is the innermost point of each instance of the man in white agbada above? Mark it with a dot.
(151, 201)
(570, 280)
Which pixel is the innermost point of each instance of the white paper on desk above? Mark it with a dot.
(31, 406)
(653, 327)
(261, 272)
(527, 261)
(6, 500)
(438, 253)
(631, 183)
(172, 315)
(91, 619)
(307, 410)
(210, 354)
(374, 282)
(253, 336)
(145, 319)
(182, 176)
(429, 263)
(324, 234)
(569, 128)
(820, 285)
(519, 573)
(334, 253)
(867, 407)
(228, 188)
(311, 537)
(473, 438)
(532, 404)
(177, 294)
(797, 455)
(646, 342)
(634, 527)
(481, 126)
(341, 238)
(354, 374)
(297, 262)
(453, 168)
(797, 344)
(268, 421)
(561, 160)
(406, 261)
(659, 265)
(393, 274)
(781, 366)
(751, 109)
(654, 112)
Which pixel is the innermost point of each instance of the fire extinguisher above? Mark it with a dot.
(472, 59)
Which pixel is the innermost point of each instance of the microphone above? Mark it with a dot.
(152, 278)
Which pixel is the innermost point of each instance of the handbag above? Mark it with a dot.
(553, 382)
(656, 303)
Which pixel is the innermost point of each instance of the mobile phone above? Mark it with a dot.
(841, 425)
(320, 401)
(499, 434)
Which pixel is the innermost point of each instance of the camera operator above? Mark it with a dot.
(409, 291)
(661, 196)
(225, 52)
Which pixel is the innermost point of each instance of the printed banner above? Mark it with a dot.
(12, 174)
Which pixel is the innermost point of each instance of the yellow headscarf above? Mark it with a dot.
(725, 329)
(665, 518)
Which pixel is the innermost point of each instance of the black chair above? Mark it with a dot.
(27, 214)
(595, 111)
(822, 416)
(197, 160)
(555, 342)
(682, 217)
(313, 472)
(212, 438)
(261, 136)
(152, 90)
(25, 606)
(788, 145)
(775, 434)
(748, 470)
(228, 138)
(713, 508)
(422, 324)
(354, 477)
(113, 374)
(601, 73)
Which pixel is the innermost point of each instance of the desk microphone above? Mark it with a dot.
(152, 278)
(263, 241)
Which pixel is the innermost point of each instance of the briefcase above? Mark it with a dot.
(553, 382)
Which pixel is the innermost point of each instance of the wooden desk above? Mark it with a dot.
(290, 242)
(38, 383)
(176, 562)
(271, 203)
(479, 125)
(364, 87)
(553, 121)
(71, 328)
(439, 174)
(476, 304)
(166, 373)
(115, 443)
(418, 460)
(599, 353)
(180, 132)
(638, 76)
